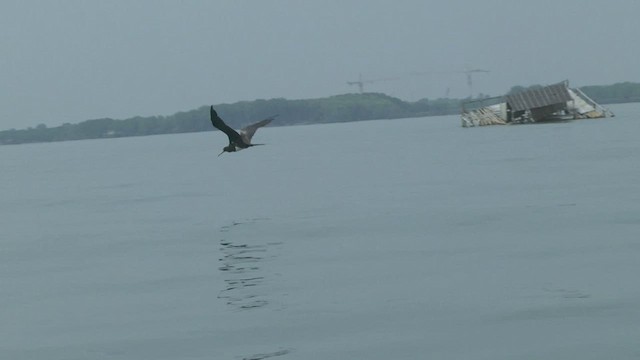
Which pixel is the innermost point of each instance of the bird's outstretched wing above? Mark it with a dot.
(248, 131)
(220, 125)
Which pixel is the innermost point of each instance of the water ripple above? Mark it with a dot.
(267, 355)
(242, 264)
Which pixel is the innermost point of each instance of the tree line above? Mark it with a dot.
(614, 94)
(339, 108)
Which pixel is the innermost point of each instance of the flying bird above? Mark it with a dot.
(237, 141)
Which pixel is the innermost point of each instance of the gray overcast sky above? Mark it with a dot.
(70, 61)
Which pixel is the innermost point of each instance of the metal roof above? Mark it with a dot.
(537, 98)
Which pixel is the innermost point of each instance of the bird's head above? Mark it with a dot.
(229, 148)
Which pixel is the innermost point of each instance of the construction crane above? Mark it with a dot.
(360, 82)
(468, 73)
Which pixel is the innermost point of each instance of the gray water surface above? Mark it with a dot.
(391, 239)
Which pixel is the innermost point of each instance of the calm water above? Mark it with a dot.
(405, 239)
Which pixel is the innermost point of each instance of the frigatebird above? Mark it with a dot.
(237, 141)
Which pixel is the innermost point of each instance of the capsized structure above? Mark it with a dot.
(557, 102)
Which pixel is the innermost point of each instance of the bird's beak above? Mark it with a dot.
(221, 153)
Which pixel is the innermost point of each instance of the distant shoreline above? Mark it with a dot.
(338, 108)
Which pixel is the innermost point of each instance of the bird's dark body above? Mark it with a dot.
(241, 140)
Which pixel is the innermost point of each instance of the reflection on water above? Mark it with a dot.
(242, 264)
(245, 276)
(267, 355)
